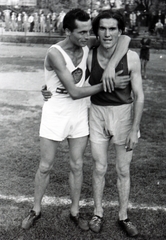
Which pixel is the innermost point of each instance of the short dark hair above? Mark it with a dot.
(72, 15)
(108, 14)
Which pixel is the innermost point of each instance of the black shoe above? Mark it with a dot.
(80, 222)
(96, 224)
(128, 227)
(29, 221)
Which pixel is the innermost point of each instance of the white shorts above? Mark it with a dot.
(65, 118)
(110, 123)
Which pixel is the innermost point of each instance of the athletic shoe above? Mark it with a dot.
(128, 227)
(29, 221)
(96, 223)
(80, 222)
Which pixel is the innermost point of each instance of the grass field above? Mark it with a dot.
(19, 157)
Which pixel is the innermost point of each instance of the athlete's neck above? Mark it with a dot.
(106, 52)
(68, 45)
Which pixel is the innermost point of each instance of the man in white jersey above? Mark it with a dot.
(65, 115)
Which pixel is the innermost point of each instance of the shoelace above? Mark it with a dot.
(97, 220)
(31, 214)
(129, 224)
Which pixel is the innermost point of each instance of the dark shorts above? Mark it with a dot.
(144, 54)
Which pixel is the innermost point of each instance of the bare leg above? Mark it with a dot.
(48, 151)
(99, 154)
(145, 63)
(77, 148)
(142, 67)
(123, 160)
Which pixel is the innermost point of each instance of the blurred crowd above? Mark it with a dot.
(52, 22)
(156, 24)
(35, 22)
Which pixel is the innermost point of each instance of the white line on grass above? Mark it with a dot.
(61, 201)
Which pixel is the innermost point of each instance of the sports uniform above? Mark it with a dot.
(63, 117)
(110, 113)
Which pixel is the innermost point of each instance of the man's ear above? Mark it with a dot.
(120, 33)
(68, 32)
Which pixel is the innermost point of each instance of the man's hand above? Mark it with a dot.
(114, 80)
(131, 140)
(46, 94)
(108, 79)
(121, 81)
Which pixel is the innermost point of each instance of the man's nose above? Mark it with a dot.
(87, 35)
(107, 32)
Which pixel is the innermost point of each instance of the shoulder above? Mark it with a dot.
(133, 60)
(54, 52)
(132, 55)
(54, 57)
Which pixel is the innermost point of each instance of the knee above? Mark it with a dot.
(45, 168)
(123, 171)
(76, 166)
(100, 169)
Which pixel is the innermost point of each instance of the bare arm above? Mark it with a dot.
(55, 61)
(136, 81)
(109, 73)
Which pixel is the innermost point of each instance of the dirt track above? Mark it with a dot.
(21, 74)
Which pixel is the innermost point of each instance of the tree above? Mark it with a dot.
(151, 5)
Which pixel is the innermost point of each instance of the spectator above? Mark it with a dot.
(31, 22)
(7, 19)
(145, 53)
(54, 22)
(138, 20)
(25, 22)
(48, 22)
(60, 22)
(42, 23)
(89, 12)
(36, 22)
(19, 22)
(133, 18)
(94, 13)
(159, 28)
(13, 22)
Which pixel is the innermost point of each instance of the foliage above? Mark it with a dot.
(152, 5)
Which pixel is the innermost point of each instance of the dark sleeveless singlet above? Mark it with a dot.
(118, 96)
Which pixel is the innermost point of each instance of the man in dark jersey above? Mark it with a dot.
(111, 117)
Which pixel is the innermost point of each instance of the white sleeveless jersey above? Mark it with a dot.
(52, 81)
(63, 117)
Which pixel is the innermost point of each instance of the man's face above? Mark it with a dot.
(108, 32)
(81, 34)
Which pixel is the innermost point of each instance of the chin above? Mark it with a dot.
(83, 44)
(107, 46)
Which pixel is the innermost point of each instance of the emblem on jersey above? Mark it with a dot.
(77, 75)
